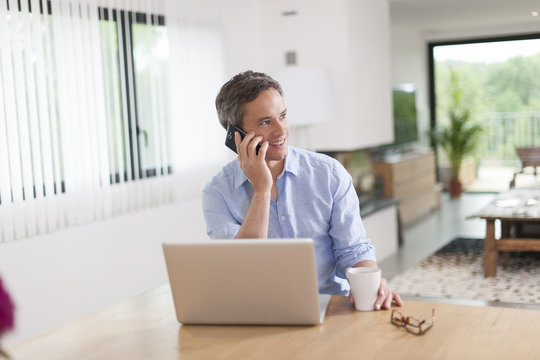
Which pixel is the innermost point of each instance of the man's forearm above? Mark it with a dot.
(255, 224)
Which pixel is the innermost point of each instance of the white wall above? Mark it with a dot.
(242, 29)
(64, 275)
(363, 85)
(409, 65)
(351, 38)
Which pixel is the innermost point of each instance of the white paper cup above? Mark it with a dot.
(364, 282)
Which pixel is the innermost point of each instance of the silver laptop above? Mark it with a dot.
(245, 281)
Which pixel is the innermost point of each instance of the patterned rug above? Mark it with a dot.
(457, 271)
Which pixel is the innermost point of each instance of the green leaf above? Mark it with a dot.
(460, 136)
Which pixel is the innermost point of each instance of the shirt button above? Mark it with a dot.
(282, 217)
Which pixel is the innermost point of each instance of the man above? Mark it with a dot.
(284, 192)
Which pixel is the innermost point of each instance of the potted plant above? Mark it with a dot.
(458, 138)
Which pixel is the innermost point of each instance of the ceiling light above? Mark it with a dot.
(534, 13)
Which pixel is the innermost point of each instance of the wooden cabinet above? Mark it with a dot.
(411, 179)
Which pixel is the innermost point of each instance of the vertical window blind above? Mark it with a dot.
(84, 112)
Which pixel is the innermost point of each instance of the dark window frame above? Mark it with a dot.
(132, 118)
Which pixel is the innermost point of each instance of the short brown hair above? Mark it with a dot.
(241, 89)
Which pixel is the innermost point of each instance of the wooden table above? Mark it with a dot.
(145, 327)
(513, 208)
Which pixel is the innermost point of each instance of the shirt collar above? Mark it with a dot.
(291, 162)
(239, 176)
(291, 166)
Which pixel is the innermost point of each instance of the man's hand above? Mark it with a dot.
(385, 297)
(253, 164)
(255, 223)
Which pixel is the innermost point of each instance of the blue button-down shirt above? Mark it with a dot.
(316, 199)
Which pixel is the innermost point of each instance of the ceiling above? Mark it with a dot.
(436, 16)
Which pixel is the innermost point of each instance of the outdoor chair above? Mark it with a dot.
(529, 157)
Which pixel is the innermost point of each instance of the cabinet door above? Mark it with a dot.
(382, 230)
(352, 39)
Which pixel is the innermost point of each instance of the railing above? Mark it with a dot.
(503, 132)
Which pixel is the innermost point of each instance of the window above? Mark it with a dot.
(137, 51)
(111, 65)
(83, 110)
(498, 76)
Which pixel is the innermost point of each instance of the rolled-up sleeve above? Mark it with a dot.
(350, 244)
(220, 224)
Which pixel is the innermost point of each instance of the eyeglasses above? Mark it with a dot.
(412, 325)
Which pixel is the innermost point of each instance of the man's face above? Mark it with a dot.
(267, 117)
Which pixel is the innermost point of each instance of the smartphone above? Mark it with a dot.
(229, 140)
